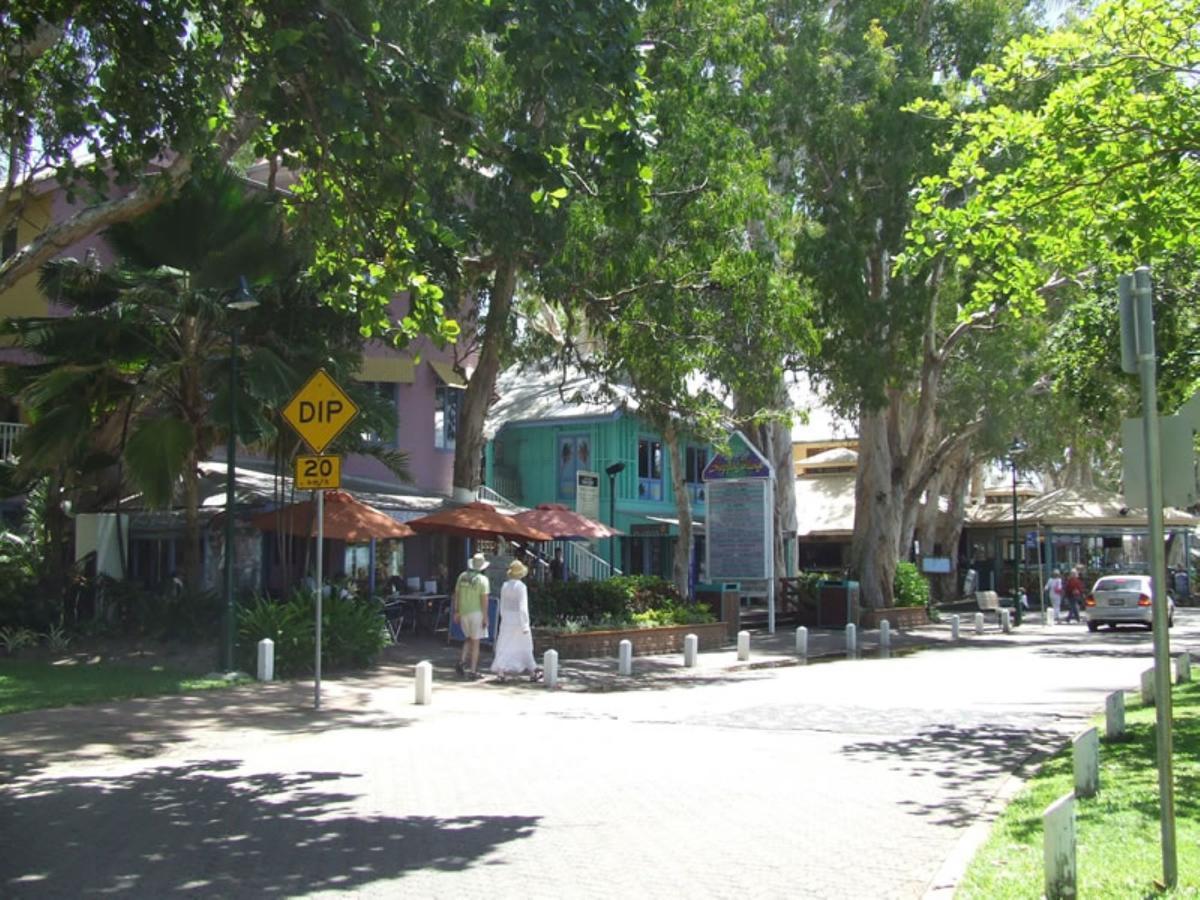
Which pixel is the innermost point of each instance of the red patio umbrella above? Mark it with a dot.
(477, 520)
(346, 519)
(563, 524)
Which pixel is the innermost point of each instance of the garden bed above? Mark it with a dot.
(898, 617)
(646, 641)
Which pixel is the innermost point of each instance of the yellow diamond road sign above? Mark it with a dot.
(319, 411)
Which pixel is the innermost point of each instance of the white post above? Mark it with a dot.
(266, 660)
(1086, 752)
(954, 622)
(423, 683)
(1114, 715)
(802, 642)
(1058, 847)
(851, 639)
(1048, 615)
(1148, 687)
(885, 634)
(979, 623)
(1006, 620)
(1183, 668)
(625, 658)
(691, 645)
(550, 668)
(743, 645)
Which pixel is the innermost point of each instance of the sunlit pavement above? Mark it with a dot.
(844, 778)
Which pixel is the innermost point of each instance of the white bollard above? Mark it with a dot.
(1048, 616)
(1148, 687)
(691, 646)
(1086, 752)
(885, 635)
(1114, 715)
(625, 658)
(1006, 621)
(802, 642)
(550, 668)
(851, 639)
(743, 646)
(1058, 847)
(954, 627)
(1183, 668)
(423, 683)
(266, 660)
(979, 623)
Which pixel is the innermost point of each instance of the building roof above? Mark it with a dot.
(825, 505)
(1073, 506)
(525, 394)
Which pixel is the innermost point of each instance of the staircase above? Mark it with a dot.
(582, 563)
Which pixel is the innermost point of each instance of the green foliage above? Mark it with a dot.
(625, 601)
(14, 638)
(130, 610)
(353, 633)
(911, 588)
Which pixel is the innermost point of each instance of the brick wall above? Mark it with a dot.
(898, 617)
(646, 641)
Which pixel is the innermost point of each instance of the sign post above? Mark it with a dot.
(740, 499)
(319, 412)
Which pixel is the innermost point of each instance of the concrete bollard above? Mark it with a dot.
(550, 668)
(1114, 715)
(743, 646)
(266, 660)
(954, 622)
(1148, 687)
(979, 623)
(423, 683)
(1086, 753)
(1048, 616)
(885, 635)
(1058, 847)
(851, 639)
(1006, 621)
(802, 642)
(625, 658)
(691, 646)
(1183, 668)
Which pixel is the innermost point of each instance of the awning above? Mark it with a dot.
(450, 377)
(697, 524)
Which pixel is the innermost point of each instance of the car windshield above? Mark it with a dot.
(1119, 584)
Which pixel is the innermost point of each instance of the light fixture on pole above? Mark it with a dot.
(243, 300)
(612, 472)
(1014, 449)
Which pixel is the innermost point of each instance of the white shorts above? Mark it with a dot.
(472, 625)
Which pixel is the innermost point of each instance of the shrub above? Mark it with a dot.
(628, 600)
(352, 633)
(910, 587)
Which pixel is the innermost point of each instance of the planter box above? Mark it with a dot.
(899, 617)
(646, 641)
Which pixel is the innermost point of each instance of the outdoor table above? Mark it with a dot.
(432, 610)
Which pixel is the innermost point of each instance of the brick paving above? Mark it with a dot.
(848, 778)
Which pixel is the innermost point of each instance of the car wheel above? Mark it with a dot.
(1092, 626)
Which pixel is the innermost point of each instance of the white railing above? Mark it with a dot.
(581, 562)
(9, 433)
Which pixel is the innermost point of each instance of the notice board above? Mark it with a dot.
(738, 529)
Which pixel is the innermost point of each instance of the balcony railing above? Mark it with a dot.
(9, 433)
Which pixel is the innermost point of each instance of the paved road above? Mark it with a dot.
(836, 779)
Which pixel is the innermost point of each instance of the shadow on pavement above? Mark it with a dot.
(204, 830)
(962, 758)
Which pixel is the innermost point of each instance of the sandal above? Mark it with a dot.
(537, 675)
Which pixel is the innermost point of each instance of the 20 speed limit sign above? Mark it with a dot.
(318, 473)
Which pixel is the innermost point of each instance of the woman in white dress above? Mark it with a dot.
(514, 640)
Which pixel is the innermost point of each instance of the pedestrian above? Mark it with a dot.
(558, 567)
(1054, 593)
(514, 640)
(469, 608)
(1074, 590)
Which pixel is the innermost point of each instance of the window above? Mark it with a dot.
(574, 454)
(650, 478)
(386, 392)
(695, 459)
(446, 403)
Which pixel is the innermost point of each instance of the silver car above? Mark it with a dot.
(1117, 599)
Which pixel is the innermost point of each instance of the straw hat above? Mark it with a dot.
(478, 562)
(516, 569)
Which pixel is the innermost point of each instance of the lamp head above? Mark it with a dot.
(243, 299)
(615, 469)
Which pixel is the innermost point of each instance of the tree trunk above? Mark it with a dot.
(191, 516)
(939, 531)
(878, 512)
(469, 440)
(683, 509)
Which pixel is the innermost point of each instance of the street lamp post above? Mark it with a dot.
(243, 301)
(612, 471)
(1013, 450)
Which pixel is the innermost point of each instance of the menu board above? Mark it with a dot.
(738, 529)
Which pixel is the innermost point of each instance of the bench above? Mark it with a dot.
(988, 601)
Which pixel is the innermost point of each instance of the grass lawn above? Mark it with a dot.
(27, 684)
(1118, 852)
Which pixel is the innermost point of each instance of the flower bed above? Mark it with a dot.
(646, 641)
